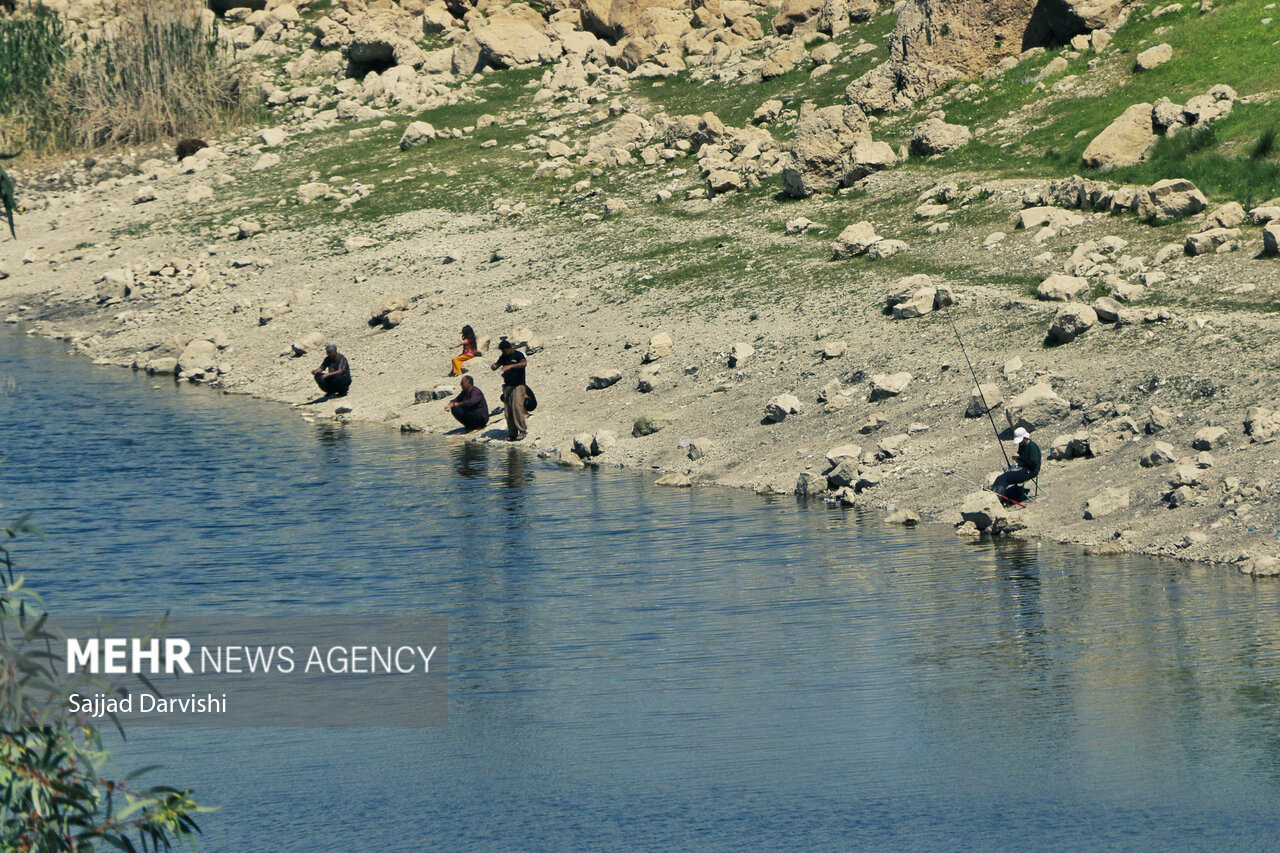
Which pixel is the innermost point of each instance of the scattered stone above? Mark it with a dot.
(983, 397)
(649, 424)
(418, 133)
(1036, 407)
(602, 441)
(1180, 497)
(1229, 215)
(777, 409)
(935, 137)
(1153, 57)
(355, 243)
(1106, 502)
(675, 480)
(854, 240)
(1071, 321)
(845, 451)
(659, 345)
(919, 303)
(1209, 438)
(1158, 420)
(1125, 142)
(604, 379)
(1207, 241)
(699, 447)
(310, 342)
(809, 484)
(982, 509)
(1062, 288)
(444, 392)
(872, 424)
(905, 517)
(1170, 199)
(312, 192)
(388, 311)
(740, 354)
(1271, 238)
(1261, 423)
(1161, 453)
(886, 385)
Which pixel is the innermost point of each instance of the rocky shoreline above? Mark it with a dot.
(1155, 429)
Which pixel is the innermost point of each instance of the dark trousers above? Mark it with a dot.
(334, 384)
(470, 418)
(513, 402)
(1012, 477)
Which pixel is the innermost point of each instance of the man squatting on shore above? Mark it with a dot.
(469, 408)
(334, 373)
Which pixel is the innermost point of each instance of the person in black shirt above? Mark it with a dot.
(334, 373)
(512, 364)
(1008, 485)
(469, 407)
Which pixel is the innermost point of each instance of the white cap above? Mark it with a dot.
(1020, 435)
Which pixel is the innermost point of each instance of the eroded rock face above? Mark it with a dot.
(935, 41)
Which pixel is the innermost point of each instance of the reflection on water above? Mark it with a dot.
(634, 667)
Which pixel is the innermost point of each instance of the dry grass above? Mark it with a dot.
(160, 72)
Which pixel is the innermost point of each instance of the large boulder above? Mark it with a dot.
(1170, 199)
(935, 136)
(777, 409)
(1125, 142)
(982, 509)
(1106, 502)
(388, 310)
(1261, 423)
(1036, 407)
(1062, 288)
(983, 397)
(1271, 238)
(1071, 321)
(417, 133)
(507, 41)
(919, 303)
(1153, 57)
(855, 239)
(886, 385)
(198, 355)
(832, 147)
(794, 12)
(1205, 242)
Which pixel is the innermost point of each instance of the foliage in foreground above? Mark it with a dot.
(54, 795)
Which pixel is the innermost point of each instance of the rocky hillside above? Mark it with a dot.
(749, 227)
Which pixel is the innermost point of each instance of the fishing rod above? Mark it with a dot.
(981, 396)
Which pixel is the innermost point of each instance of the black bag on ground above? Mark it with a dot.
(530, 401)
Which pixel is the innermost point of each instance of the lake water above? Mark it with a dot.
(641, 668)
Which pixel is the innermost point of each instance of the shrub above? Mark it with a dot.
(54, 795)
(1265, 145)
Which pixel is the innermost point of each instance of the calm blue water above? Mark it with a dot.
(640, 668)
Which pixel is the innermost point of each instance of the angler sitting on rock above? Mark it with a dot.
(334, 373)
(1009, 484)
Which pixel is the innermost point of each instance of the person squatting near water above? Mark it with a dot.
(1009, 484)
(512, 364)
(469, 408)
(334, 373)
